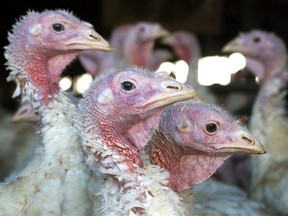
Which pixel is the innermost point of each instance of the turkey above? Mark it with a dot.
(188, 131)
(187, 47)
(20, 150)
(267, 59)
(27, 113)
(17, 144)
(55, 181)
(108, 110)
(216, 198)
(191, 142)
(134, 45)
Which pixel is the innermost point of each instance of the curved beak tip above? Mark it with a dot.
(259, 149)
(107, 49)
(226, 48)
(262, 151)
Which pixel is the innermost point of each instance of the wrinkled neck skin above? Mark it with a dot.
(186, 167)
(37, 71)
(141, 133)
(113, 174)
(191, 57)
(274, 68)
(105, 144)
(184, 53)
(113, 137)
(126, 188)
(117, 174)
(139, 52)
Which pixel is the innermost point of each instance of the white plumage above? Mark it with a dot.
(55, 181)
(266, 56)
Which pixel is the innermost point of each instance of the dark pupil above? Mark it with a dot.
(211, 127)
(142, 29)
(256, 39)
(179, 38)
(58, 27)
(127, 86)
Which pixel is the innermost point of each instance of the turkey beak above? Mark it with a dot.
(158, 32)
(244, 142)
(16, 118)
(172, 92)
(90, 39)
(167, 40)
(234, 46)
(230, 47)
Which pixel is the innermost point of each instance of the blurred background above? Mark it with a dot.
(214, 22)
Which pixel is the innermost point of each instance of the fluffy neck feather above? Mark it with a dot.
(47, 185)
(141, 192)
(125, 187)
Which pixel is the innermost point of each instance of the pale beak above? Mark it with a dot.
(173, 92)
(244, 142)
(90, 39)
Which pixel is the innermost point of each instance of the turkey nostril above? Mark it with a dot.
(95, 37)
(173, 87)
(248, 140)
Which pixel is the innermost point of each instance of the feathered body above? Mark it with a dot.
(55, 181)
(17, 141)
(267, 58)
(216, 198)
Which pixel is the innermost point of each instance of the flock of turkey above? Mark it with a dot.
(138, 142)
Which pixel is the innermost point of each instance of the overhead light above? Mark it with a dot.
(65, 83)
(82, 83)
(181, 71)
(166, 66)
(237, 62)
(211, 69)
(218, 69)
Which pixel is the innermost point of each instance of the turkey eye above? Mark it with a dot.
(211, 127)
(178, 38)
(142, 29)
(127, 86)
(58, 27)
(256, 39)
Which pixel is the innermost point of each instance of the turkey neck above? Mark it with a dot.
(134, 189)
(57, 166)
(38, 69)
(111, 133)
(112, 159)
(270, 96)
(139, 52)
(182, 163)
(63, 152)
